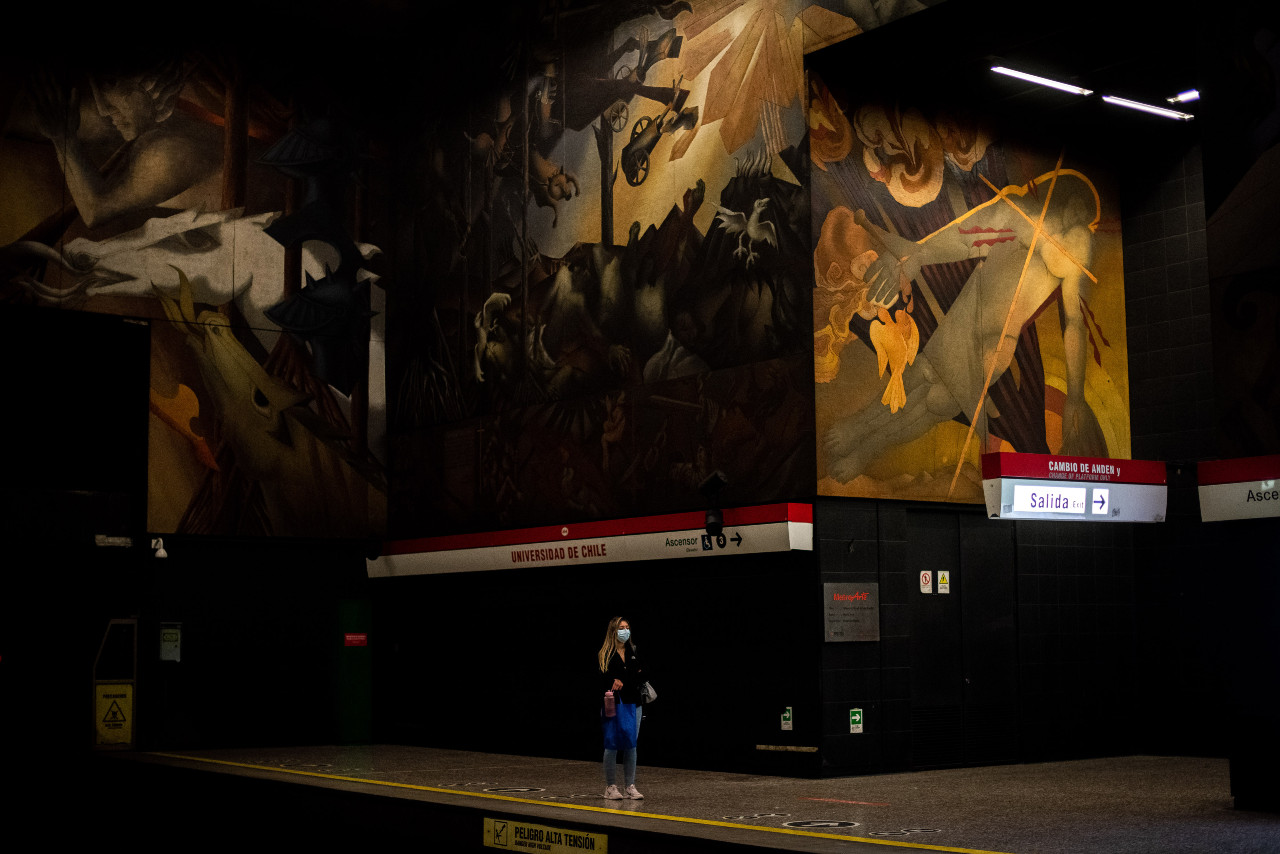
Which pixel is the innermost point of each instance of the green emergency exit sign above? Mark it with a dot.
(855, 720)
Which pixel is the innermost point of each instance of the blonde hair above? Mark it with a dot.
(610, 645)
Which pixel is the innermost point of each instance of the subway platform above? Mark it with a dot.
(449, 800)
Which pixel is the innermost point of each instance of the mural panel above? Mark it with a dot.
(598, 235)
(173, 189)
(968, 298)
(618, 303)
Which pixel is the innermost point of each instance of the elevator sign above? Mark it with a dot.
(1081, 489)
(1246, 488)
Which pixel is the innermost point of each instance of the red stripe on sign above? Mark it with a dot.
(733, 517)
(1092, 469)
(1239, 470)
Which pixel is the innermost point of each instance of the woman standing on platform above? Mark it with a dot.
(622, 673)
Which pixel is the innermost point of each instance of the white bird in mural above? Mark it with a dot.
(749, 230)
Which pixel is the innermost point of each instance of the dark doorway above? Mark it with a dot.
(964, 691)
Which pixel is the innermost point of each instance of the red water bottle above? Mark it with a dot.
(610, 707)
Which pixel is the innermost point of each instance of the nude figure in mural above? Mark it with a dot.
(163, 155)
(1028, 262)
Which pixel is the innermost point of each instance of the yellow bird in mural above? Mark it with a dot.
(896, 341)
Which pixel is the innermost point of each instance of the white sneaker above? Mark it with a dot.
(633, 793)
(613, 794)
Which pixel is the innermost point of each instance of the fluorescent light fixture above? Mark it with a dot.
(1184, 97)
(1042, 81)
(1147, 108)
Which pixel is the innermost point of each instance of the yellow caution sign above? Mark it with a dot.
(521, 836)
(113, 714)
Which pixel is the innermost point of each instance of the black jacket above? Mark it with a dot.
(631, 672)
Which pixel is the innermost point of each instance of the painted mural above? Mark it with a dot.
(169, 188)
(618, 300)
(588, 236)
(968, 298)
(619, 295)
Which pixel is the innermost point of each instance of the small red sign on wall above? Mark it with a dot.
(356, 639)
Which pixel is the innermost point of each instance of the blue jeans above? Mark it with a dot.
(628, 761)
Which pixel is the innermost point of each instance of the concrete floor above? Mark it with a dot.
(1134, 804)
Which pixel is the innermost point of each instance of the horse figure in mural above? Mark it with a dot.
(309, 483)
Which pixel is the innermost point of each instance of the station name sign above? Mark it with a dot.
(1079, 489)
(1244, 488)
(747, 530)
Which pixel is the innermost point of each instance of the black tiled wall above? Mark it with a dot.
(1171, 393)
(1076, 646)
(865, 541)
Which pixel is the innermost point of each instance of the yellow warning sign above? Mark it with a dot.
(520, 836)
(113, 713)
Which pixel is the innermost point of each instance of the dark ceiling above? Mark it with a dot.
(943, 55)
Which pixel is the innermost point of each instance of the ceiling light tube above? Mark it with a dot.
(1147, 108)
(1042, 81)
(1184, 97)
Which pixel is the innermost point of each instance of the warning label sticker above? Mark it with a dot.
(113, 713)
(520, 836)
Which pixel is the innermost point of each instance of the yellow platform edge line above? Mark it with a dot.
(586, 807)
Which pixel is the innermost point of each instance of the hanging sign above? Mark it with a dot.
(1073, 489)
(747, 530)
(1245, 488)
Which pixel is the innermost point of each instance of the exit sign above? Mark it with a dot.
(1073, 489)
(855, 720)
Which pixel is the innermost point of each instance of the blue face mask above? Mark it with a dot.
(624, 635)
